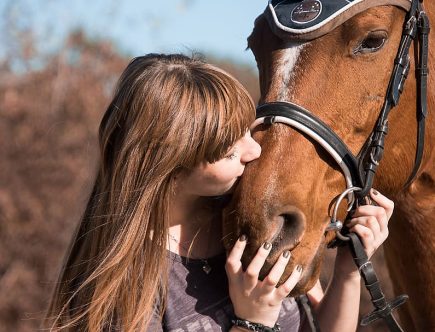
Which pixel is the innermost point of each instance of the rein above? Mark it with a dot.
(359, 171)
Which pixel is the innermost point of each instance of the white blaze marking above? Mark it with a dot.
(286, 69)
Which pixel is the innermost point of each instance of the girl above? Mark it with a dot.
(173, 140)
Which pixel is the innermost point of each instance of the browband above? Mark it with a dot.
(310, 19)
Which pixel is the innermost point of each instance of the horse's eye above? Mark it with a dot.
(373, 42)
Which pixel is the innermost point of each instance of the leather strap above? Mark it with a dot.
(383, 309)
(372, 153)
(304, 301)
(421, 74)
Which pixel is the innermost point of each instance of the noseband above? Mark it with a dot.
(310, 19)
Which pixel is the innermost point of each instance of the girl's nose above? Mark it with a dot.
(252, 150)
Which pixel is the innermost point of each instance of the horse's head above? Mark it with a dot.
(341, 77)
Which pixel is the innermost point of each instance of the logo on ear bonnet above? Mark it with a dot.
(306, 12)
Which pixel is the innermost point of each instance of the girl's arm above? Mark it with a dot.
(338, 309)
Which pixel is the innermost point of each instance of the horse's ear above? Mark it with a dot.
(262, 43)
(259, 21)
(262, 40)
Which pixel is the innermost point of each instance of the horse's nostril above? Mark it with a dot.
(292, 228)
(294, 222)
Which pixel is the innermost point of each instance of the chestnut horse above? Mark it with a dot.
(341, 77)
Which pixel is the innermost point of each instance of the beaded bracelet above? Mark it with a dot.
(257, 327)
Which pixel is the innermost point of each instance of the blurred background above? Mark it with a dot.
(59, 62)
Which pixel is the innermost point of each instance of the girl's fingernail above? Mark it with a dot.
(299, 268)
(286, 254)
(267, 245)
(375, 192)
(242, 238)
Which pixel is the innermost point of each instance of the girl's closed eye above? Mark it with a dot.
(233, 154)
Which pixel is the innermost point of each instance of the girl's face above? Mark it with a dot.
(218, 178)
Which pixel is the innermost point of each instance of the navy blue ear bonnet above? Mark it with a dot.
(310, 19)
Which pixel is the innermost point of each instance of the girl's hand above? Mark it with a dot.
(254, 300)
(371, 222)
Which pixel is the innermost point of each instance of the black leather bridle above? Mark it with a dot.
(359, 171)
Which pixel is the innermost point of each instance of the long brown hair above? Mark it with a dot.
(168, 112)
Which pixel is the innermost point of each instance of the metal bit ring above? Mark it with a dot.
(336, 223)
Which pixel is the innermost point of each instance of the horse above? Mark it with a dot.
(341, 77)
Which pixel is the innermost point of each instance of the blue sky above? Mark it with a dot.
(217, 27)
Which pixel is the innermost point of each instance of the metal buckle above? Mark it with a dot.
(368, 263)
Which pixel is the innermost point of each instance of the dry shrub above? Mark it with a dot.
(48, 128)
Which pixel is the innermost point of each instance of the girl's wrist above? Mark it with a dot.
(345, 266)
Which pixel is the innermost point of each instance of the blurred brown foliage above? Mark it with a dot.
(48, 145)
(48, 131)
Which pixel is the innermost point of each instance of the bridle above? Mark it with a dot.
(359, 170)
